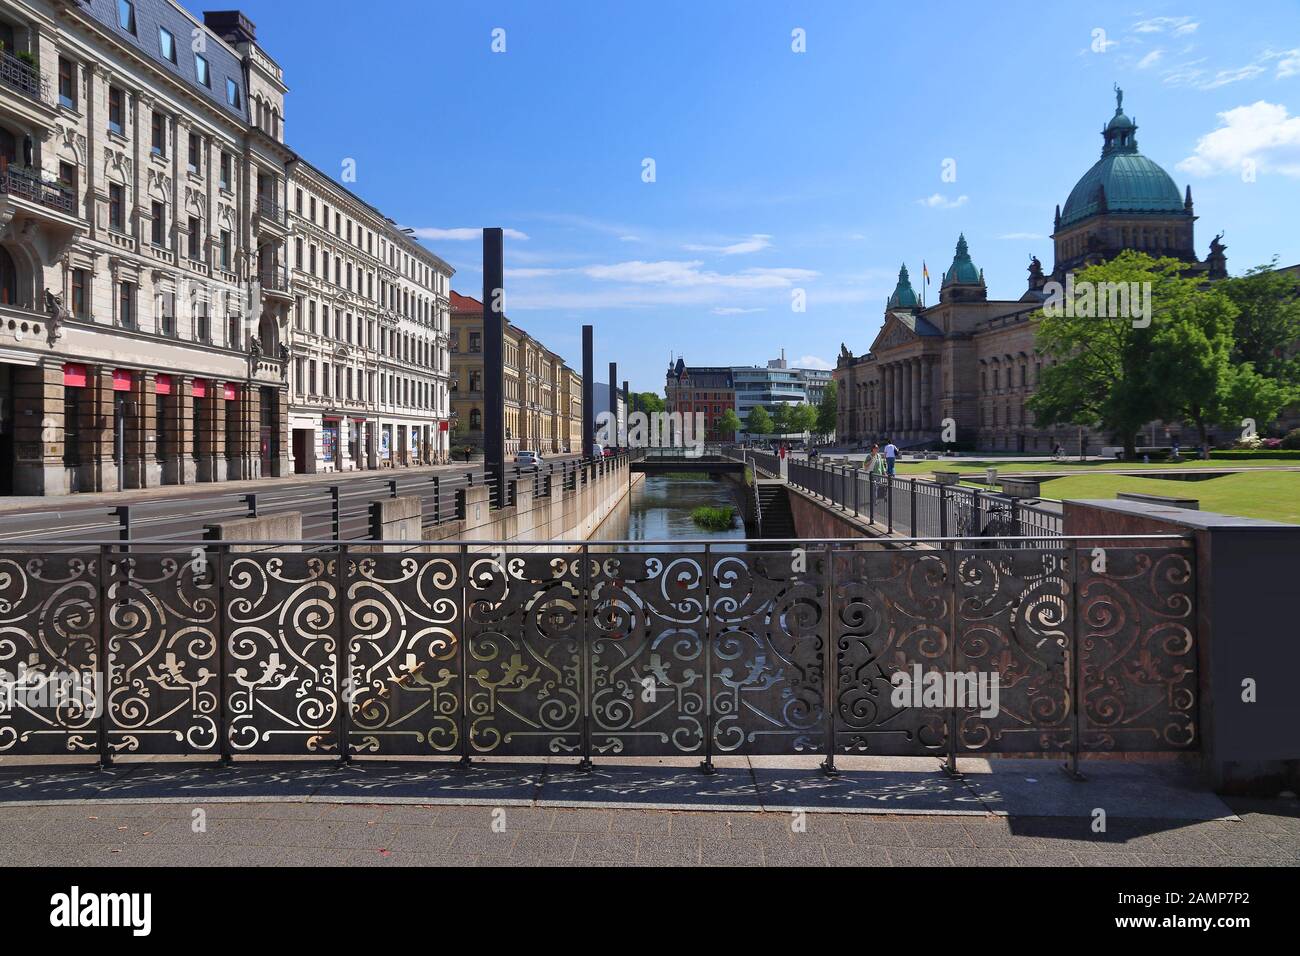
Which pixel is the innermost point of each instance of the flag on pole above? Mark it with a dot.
(925, 272)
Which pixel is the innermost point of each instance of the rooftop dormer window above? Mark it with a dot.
(232, 93)
(126, 16)
(167, 43)
(201, 70)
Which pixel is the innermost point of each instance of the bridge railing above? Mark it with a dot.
(664, 648)
(922, 508)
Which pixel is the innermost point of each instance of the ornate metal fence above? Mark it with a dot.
(683, 649)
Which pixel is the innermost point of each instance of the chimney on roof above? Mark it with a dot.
(231, 25)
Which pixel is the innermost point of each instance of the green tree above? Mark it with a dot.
(1267, 326)
(781, 420)
(647, 402)
(1193, 363)
(1099, 374)
(759, 422)
(803, 418)
(729, 423)
(827, 410)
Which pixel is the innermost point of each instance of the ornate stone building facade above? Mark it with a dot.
(147, 297)
(973, 360)
(543, 396)
(372, 320)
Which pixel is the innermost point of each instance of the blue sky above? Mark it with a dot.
(775, 170)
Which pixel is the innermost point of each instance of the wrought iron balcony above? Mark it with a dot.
(273, 280)
(28, 185)
(24, 77)
(268, 208)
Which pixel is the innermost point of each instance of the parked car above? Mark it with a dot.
(597, 451)
(528, 459)
(608, 451)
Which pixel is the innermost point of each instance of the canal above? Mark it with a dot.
(659, 509)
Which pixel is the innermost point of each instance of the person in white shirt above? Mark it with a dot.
(891, 453)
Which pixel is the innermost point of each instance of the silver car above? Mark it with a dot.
(528, 459)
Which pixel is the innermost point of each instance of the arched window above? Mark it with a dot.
(8, 279)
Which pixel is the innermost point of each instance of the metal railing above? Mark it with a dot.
(23, 77)
(676, 648)
(268, 208)
(922, 508)
(19, 182)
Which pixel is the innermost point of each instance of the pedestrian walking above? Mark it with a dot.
(891, 454)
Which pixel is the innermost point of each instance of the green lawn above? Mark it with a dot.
(1274, 495)
(973, 465)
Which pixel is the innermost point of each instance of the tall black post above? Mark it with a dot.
(494, 407)
(588, 393)
(627, 410)
(613, 403)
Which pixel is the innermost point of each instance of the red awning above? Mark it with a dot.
(228, 392)
(74, 375)
(162, 384)
(121, 380)
(200, 388)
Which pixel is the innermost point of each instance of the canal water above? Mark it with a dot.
(659, 509)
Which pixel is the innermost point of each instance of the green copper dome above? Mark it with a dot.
(903, 297)
(1123, 180)
(962, 269)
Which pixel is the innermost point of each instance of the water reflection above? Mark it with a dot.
(659, 509)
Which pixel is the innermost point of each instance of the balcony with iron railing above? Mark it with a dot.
(26, 184)
(24, 77)
(270, 210)
(274, 279)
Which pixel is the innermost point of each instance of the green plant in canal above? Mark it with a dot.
(714, 519)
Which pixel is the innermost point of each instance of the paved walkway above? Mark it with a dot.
(259, 833)
(771, 812)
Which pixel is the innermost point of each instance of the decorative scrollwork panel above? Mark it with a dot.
(282, 653)
(892, 615)
(524, 626)
(648, 634)
(49, 631)
(163, 695)
(404, 625)
(769, 632)
(1137, 645)
(1014, 620)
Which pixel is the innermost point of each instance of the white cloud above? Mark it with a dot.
(673, 272)
(460, 235)
(1225, 77)
(1288, 64)
(1178, 26)
(1151, 59)
(1021, 235)
(939, 201)
(755, 243)
(629, 238)
(735, 310)
(1261, 132)
(811, 361)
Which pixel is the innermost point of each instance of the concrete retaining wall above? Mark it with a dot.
(566, 514)
(286, 526)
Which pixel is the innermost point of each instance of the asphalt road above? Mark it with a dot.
(173, 513)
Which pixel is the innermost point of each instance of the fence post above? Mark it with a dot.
(950, 768)
(584, 650)
(855, 493)
(437, 500)
(1076, 668)
(465, 759)
(105, 755)
(392, 487)
(123, 513)
(890, 504)
(943, 511)
(706, 766)
(912, 493)
(334, 510)
(223, 712)
(343, 676)
(830, 681)
(251, 501)
(871, 495)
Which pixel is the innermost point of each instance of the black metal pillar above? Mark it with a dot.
(627, 412)
(613, 403)
(588, 393)
(494, 406)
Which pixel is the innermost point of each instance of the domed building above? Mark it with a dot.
(972, 360)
